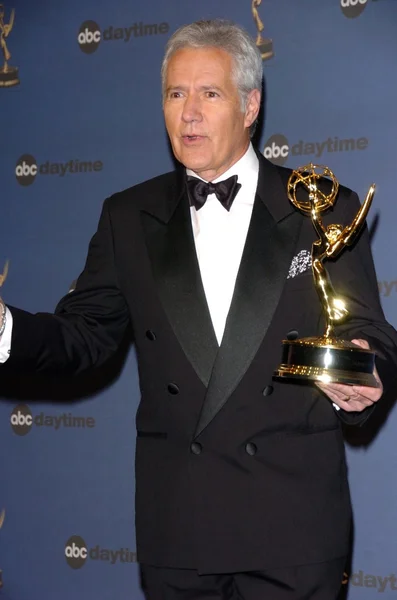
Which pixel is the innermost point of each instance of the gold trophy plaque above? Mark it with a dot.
(326, 358)
(265, 45)
(8, 74)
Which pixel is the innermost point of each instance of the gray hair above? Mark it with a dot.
(233, 39)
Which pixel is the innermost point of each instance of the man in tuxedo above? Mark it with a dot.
(241, 485)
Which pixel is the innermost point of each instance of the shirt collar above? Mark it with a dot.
(245, 168)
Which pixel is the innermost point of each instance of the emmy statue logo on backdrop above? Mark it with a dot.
(265, 45)
(326, 358)
(2, 517)
(3, 277)
(8, 74)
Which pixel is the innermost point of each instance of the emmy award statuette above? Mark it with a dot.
(8, 74)
(265, 45)
(326, 358)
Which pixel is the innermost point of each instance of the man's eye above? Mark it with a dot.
(211, 94)
(175, 94)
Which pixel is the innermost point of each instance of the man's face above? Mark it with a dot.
(207, 128)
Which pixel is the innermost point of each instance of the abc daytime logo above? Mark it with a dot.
(382, 583)
(27, 168)
(90, 35)
(277, 148)
(77, 552)
(352, 8)
(22, 420)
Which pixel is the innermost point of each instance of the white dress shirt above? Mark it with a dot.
(5, 339)
(220, 235)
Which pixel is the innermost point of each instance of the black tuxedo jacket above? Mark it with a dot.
(235, 471)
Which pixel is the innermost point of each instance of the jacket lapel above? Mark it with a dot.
(269, 247)
(170, 243)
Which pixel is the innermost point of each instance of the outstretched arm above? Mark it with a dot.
(88, 325)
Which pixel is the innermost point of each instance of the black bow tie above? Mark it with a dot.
(225, 191)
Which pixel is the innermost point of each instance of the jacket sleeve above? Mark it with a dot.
(88, 325)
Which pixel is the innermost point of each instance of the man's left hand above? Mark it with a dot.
(353, 398)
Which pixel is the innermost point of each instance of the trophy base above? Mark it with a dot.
(9, 77)
(265, 47)
(327, 360)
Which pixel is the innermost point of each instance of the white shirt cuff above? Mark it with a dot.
(5, 339)
(336, 407)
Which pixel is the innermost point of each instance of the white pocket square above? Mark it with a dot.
(300, 263)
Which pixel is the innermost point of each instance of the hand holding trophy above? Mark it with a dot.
(327, 358)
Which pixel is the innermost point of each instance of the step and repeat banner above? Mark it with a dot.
(81, 118)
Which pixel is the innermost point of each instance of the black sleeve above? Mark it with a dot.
(89, 323)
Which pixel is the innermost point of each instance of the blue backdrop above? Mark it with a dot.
(86, 121)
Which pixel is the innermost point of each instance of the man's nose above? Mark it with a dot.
(191, 109)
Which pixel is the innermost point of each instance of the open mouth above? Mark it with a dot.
(192, 138)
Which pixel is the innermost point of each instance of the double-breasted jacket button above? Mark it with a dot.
(269, 389)
(292, 335)
(251, 448)
(196, 448)
(173, 389)
(150, 335)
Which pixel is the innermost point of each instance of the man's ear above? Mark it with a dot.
(252, 107)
